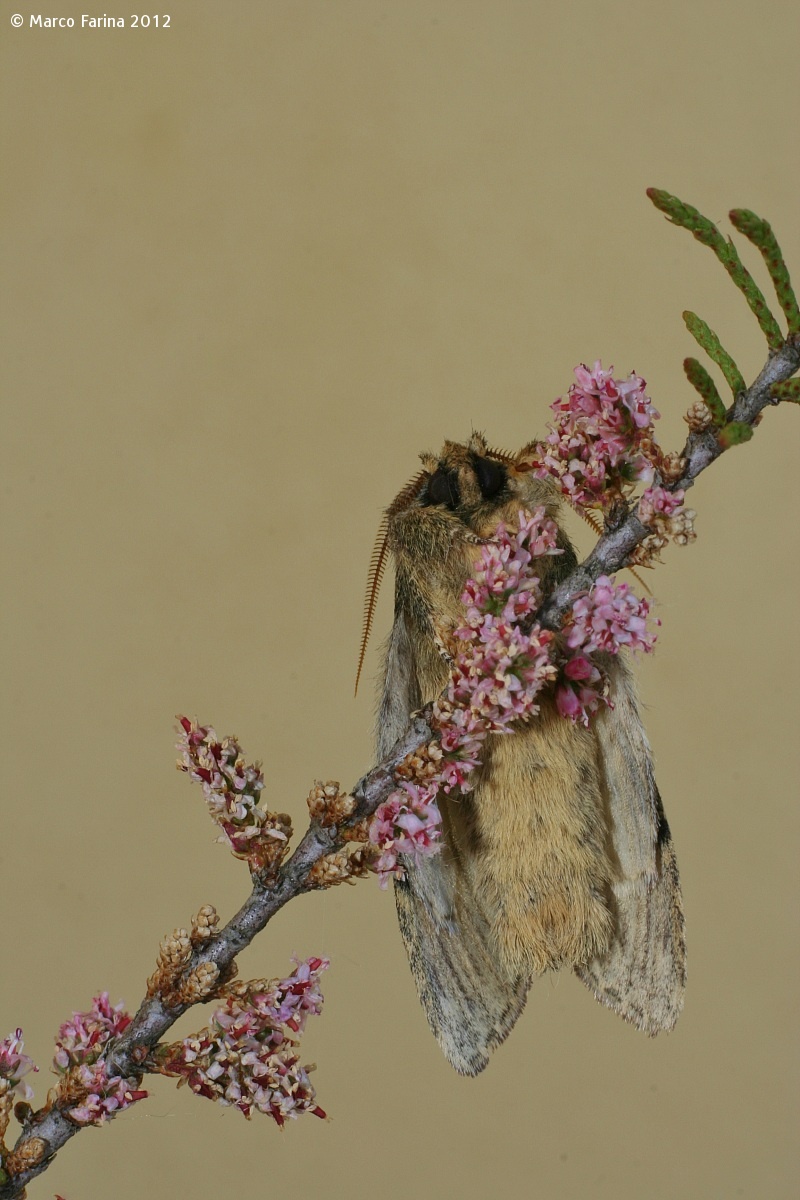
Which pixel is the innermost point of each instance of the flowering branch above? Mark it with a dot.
(126, 1050)
(713, 428)
(623, 534)
(514, 640)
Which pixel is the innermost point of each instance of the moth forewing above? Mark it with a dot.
(643, 975)
(559, 855)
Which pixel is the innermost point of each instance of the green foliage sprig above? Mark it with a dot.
(706, 232)
(729, 430)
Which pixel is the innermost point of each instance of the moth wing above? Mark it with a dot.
(643, 974)
(471, 1003)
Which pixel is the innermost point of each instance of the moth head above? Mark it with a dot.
(470, 480)
(474, 481)
(463, 477)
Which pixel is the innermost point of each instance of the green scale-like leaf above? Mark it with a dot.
(760, 234)
(706, 232)
(788, 390)
(706, 337)
(734, 433)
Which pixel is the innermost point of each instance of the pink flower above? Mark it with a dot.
(657, 502)
(14, 1066)
(567, 702)
(106, 1095)
(232, 789)
(497, 671)
(579, 668)
(408, 823)
(247, 1057)
(602, 438)
(609, 617)
(637, 403)
(82, 1039)
(583, 690)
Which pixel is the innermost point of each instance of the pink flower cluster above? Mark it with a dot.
(496, 673)
(83, 1039)
(408, 823)
(247, 1056)
(602, 440)
(498, 669)
(658, 505)
(79, 1045)
(14, 1066)
(232, 789)
(606, 619)
(106, 1095)
(582, 689)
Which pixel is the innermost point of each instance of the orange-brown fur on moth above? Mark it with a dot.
(560, 855)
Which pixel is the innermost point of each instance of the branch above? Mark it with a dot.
(615, 547)
(127, 1056)
(135, 1051)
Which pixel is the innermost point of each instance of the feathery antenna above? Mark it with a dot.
(377, 562)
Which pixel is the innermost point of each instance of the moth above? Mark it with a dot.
(561, 855)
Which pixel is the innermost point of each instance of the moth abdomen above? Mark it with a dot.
(531, 837)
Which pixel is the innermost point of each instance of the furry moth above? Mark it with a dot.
(561, 855)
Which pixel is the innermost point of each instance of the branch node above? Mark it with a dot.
(25, 1156)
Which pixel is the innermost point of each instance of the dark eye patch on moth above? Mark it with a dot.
(491, 476)
(442, 488)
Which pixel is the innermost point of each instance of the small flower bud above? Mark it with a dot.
(681, 527)
(269, 848)
(648, 552)
(204, 925)
(358, 832)
(199, 983)
(363, 860)
(327, 805)
(699, 417)
(241, 989)
(672, 467)
(341, 867)
(174, 953)
(421, 764)
(70, 1089)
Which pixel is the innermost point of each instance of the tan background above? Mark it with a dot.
(258, 261)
